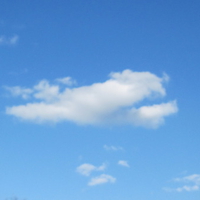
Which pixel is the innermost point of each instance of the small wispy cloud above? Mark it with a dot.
(18, 91)
(190, 183)
(112, 148)
(123, 163)
(13, 40)
(195, 178)
(66, 80)
(102, 179)
(4, 40)
(86, 169)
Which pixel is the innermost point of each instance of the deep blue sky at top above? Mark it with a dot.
(88, 39)
(96, 37)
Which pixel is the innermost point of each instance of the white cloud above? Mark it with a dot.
(67, 81)
(152, 116)
(123, 163)
(192, 181)
(112, 148)
(102, 179)
(8, 40)
(113, 101)
(86, 169)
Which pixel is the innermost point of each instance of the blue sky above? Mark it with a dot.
(99, 100)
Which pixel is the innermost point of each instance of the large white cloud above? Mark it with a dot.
(114, 101)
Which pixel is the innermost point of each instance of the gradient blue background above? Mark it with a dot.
(88, 39)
